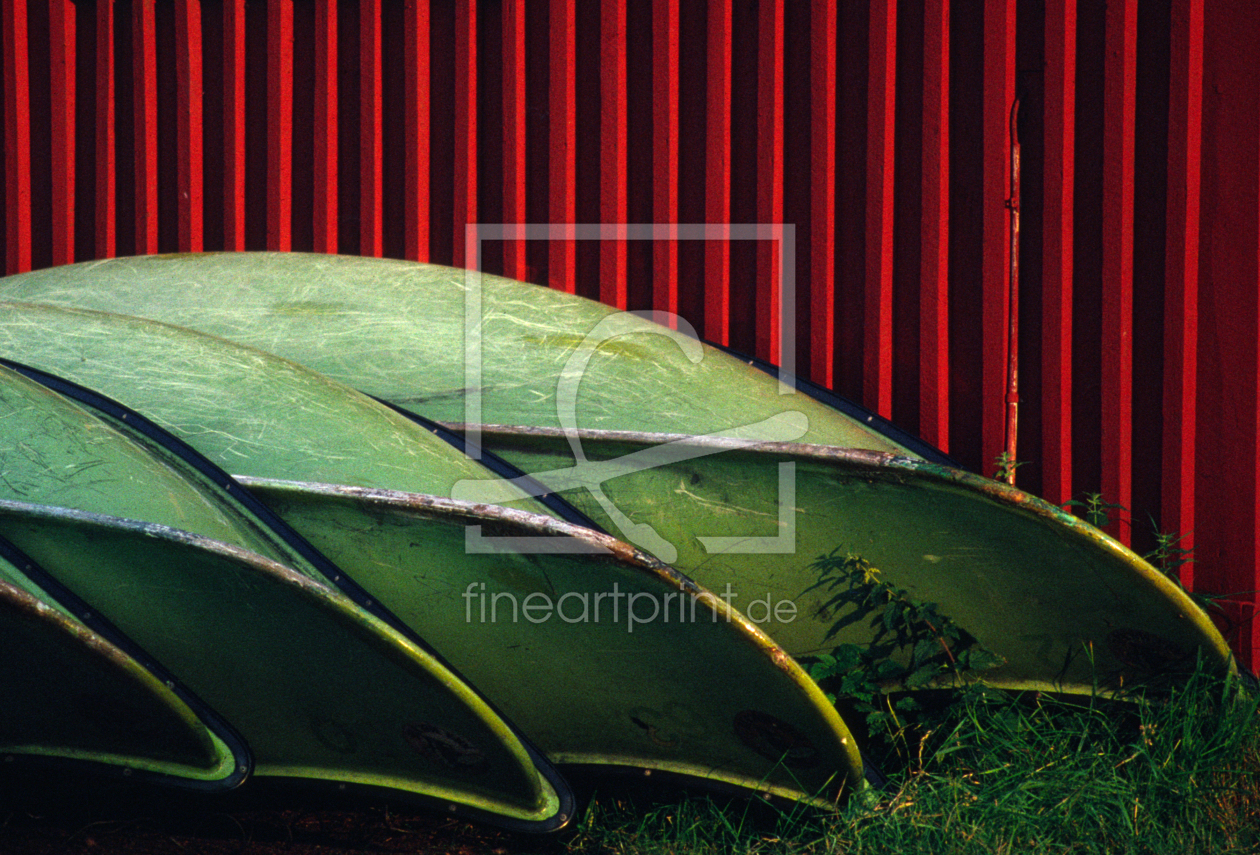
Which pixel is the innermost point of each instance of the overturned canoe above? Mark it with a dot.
(1066, 607)
(397, 330)
(58, 454)
(69, 694)
(602, 655)
(269, 418)
(318, 688)
(246, 411)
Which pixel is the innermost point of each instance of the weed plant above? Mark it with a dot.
(1172, 773)
(973, 769)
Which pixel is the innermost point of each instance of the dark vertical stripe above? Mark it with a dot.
(934, 251)
(562, 253)
(1119, 89)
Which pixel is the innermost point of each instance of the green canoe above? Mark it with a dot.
(269, 418)
(317, 687)
(1067, 608)
(396, 330)
(604, 656)
(58, 454)
(67, 693)
(364, 321)
(247, 411)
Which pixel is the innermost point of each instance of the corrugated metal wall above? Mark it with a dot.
(882, 130)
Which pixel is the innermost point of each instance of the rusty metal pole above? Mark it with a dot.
(1012, 339)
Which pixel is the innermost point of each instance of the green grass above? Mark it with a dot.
(1174, 773)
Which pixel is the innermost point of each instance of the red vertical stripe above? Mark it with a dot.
(934, 240)
(717, 196)
(280, 125)
(61, 58)
(768, 283)
(1119, 101)
(325, 143)
(106, 203)
(371, 233)
(613, 201)
(1056, 243)
(998, 97)
(665, 152)
(562, 253)
(1181, 300)
(144, 105)
(234, 124)
(465, 125)
(188, 121)
(822, 215)
(880, 118)
(416, 117)
(514, 168)
(17, 138)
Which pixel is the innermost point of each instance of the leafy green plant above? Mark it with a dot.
(913, 646)
(1097, 509)
(1169, 556)
(1006, 466)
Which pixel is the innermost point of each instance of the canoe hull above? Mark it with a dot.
(319, 689)
(602, 655)
(396, 330)
(67, 693)
(1068, 608)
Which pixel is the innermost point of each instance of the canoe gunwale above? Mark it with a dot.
(102, 404)
(496, 465)
(593, 540)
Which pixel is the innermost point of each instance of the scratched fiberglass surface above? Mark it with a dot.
(55, 452)
(317, 687)
(691, 687)
(395, 330)
(1065, 606)
(267, 417)
(67, 693)
(249, 412)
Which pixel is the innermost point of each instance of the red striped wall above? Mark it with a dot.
(879, 130)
